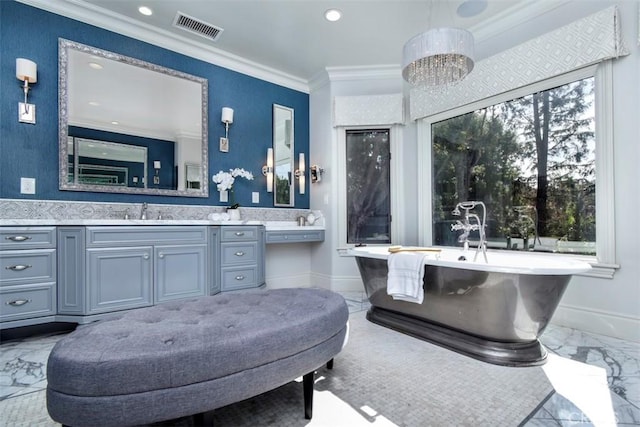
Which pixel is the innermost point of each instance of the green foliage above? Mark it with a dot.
(531, 160)
(368, 179)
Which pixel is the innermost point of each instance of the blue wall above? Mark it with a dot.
(32, 150)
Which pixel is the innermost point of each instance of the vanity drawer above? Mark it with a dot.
(295, 236)
(239, 278)
(239, 253)
(109, 236)
(238, 234)
(28, 266)
(27, 237)
(21, 302)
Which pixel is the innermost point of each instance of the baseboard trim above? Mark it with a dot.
(598, 322)
(337, 283)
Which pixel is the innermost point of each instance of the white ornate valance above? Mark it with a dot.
(367, 110)
(584, 42)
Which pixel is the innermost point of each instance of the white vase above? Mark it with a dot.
(234, 214)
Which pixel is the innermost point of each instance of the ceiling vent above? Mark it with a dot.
(197, 26)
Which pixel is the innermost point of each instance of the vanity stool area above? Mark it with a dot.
(193, 356)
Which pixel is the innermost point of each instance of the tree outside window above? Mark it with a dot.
(531, 161)
(368, 186)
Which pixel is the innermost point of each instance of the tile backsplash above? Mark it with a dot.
(59, 210)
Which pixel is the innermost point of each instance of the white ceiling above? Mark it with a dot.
(291, 37)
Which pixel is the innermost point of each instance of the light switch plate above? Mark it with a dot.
(27, 185)
(224, 196)
(255, 197)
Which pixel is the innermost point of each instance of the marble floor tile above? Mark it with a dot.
(23, 365)
(608, 365)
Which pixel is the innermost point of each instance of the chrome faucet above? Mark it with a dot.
(467, 226)
(143, 211)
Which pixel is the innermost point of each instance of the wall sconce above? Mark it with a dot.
(227, 119)
(156, 177)
(267, 170)
(300, 173)
(27, 72)
(316, 174)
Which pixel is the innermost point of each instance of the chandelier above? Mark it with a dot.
(438, 57)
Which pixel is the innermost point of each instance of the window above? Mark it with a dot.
(531, 160)
(368, 199)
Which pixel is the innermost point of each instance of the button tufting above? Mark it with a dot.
(168, 341)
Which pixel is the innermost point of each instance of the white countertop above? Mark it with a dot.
(269, 225)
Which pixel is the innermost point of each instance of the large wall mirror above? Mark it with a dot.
(129, 126)
(283, 155)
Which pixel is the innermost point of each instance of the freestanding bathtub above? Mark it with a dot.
(493, 311)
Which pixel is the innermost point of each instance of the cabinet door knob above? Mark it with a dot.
(18, 267)
(239, 253)
(160, 255)
(240, 277)
(239, 233)
(145, 256)
(18, 238)
(18, 302)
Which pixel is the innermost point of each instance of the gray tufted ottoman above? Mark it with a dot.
(193, 356)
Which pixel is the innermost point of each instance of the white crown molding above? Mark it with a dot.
(319, 80)
(372, 72)
(513, 16)
(90, 14)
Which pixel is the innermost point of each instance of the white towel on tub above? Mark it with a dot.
(406, 273)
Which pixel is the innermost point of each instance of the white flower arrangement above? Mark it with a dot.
(225, 180)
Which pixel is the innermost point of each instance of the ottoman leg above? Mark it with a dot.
(203, 419)
(307, 388)
(330, 364)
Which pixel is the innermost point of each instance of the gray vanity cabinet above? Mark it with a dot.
(180, 271)
(111, 268)
(242, 257)
(214, 260)
(27, 274)
(119, 278)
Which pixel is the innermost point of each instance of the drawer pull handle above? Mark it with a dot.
(18, 238)
(18, 267)
(18, 302)
(240, 277)
(239, 253)
(239, 233)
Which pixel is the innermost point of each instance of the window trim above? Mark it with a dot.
(395, 188)
(603, 264)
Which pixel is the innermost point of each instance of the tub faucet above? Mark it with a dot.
(143, 211)
(467, 226)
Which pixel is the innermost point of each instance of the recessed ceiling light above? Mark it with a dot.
(94, 103)
(145, 11)
(95, 65)
(470, 8)
(332, 15)
(115, 123)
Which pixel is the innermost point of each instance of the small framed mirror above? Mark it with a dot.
(283, 149)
